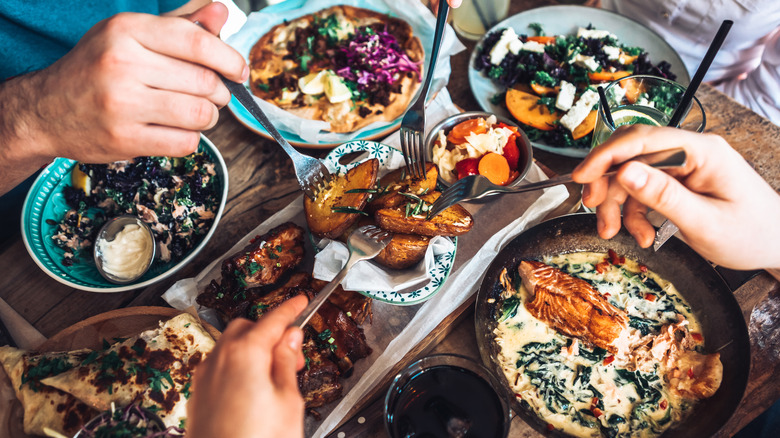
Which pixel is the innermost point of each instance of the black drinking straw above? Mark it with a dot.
(685, 102)
(605, 107)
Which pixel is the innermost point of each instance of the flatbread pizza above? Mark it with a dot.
(154, 368)
(344, 65)
(43, 405)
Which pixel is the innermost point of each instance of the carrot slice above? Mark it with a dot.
(586, 127)
(495, 168)
(460, 131)
(608, 76)
(542, 39)
(542, 90)
(525, 107)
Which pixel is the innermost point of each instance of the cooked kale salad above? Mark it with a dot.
(177, 197)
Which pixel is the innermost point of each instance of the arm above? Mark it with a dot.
(135, 84)
(247, 387)
(760, 90)
(724, 209)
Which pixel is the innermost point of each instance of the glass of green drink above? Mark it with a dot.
(647, 100)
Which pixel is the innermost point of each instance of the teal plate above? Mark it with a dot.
(443, 261)
(46, 201)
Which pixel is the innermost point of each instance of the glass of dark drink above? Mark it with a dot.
(446, 396)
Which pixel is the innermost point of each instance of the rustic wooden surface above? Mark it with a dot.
(262, 182)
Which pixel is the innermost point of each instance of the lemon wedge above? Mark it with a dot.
(633, 117)
(313, 83)
(336, 90)
(81, 180)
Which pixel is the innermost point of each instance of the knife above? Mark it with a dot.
(363, 422)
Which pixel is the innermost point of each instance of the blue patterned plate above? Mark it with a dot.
(46, 201)
(442, 261)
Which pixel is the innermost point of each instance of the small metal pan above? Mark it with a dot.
(711, 300)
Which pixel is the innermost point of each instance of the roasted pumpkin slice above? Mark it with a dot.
(525, 107)
(397, 182)
(586, 127)
(334, 209)
(409, 218)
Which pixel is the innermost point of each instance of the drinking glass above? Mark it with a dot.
(446, 395)
(647, 100)
(474, 17)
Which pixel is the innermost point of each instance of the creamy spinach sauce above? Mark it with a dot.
(580, 389)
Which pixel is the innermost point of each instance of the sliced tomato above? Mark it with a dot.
(460, 131)
(466, 167)
(512, 152)
(650, 297)
(609, 359)
(504, 125)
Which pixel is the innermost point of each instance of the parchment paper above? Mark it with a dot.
(412, 11)
(397, 329)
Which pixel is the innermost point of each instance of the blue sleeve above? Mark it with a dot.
(34, 34)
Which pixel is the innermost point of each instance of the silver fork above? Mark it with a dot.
(477, 186)
(413, 123)
(364, 243)
(311, 173)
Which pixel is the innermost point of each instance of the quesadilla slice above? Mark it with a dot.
(344, 65)
(43, 405)
(154, 368)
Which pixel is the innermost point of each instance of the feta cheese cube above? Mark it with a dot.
(593, 33)
(515, 46)
(499, 51)
(580, 110)
(588, 62)
(612, 52)
(565, 97)
(533, 46)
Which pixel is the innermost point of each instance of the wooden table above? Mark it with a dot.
(262, 182)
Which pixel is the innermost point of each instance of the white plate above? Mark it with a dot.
(564, 20)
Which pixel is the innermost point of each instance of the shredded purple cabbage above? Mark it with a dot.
(373, 58)
(132, 421)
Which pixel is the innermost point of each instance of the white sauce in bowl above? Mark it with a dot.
(129, 254)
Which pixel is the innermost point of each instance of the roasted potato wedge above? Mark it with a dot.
(453, 221)
(322, 220)
(403, 251)
(398, 181)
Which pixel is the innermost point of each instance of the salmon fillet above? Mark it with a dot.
(573, 307)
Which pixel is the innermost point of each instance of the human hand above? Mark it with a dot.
(136, 84)
(724, 209)
(247, 386)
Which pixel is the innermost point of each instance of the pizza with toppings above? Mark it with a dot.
(347, 66)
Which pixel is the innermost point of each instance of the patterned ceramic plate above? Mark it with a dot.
(46, 201)
(391, 158)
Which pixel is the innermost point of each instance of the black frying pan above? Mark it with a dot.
(711, 300)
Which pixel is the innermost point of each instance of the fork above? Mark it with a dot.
(477, 186)
(364, 243)
(413, 123)
(311, 173)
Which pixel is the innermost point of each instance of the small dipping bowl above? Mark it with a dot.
(523, 144)
(119, 239)
(447, 395)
